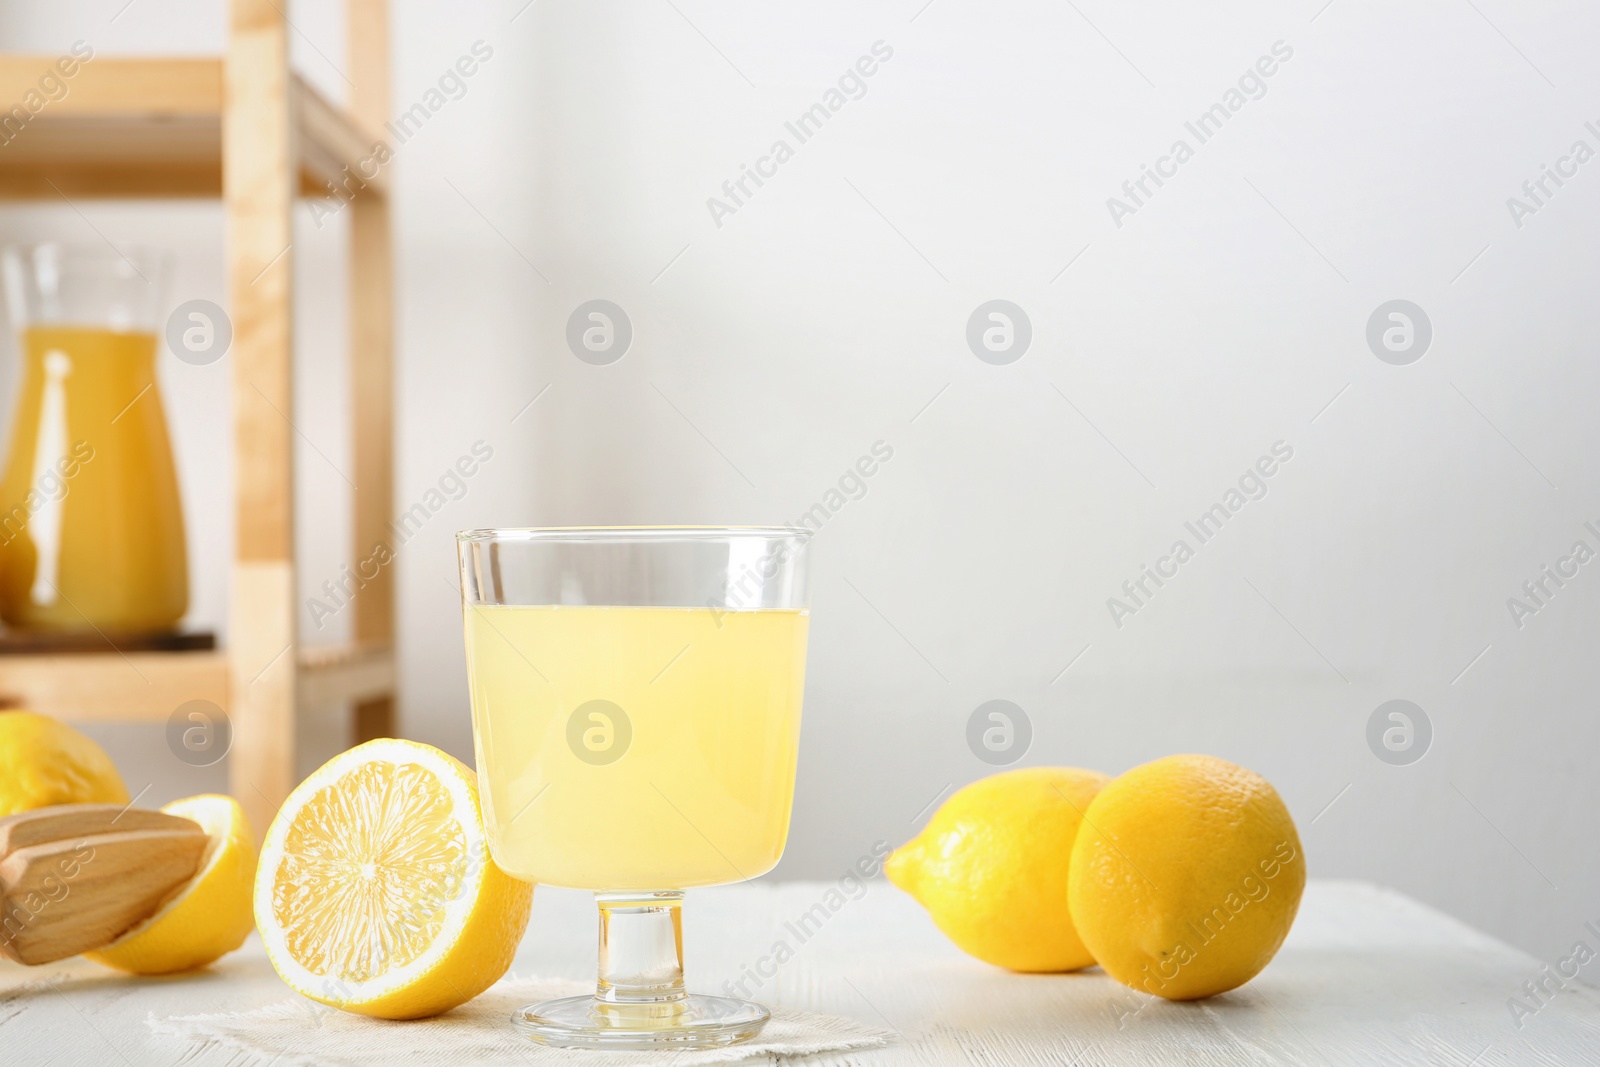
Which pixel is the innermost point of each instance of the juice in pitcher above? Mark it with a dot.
(91, 526)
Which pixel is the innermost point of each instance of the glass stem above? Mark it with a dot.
(641, 955)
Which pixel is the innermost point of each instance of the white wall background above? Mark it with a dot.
(1168, 354)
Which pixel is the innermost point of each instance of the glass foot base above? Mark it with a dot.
(693, 1022)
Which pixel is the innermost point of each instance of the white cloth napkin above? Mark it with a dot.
(302, 1033)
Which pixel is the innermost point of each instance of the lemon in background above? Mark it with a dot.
(45, 762)
(209, 917)
(1186, 876)
(376, 893)
(992, 867)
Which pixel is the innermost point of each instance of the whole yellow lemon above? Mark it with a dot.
(45, 762)
(1186, 876)
(992, 864)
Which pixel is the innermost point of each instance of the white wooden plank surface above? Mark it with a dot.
(1367, 977)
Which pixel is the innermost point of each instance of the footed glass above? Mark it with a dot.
(636, 701)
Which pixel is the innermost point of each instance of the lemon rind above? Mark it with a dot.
(458, 781)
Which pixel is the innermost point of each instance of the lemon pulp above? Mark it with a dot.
(355, 906)
(376, 893)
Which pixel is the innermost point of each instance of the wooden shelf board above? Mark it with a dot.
(149, 686)
(125, 85)
(339, 674)
(110, 686)
(134, 128)
(330, 140)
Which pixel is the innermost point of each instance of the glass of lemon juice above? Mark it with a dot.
(636, 715)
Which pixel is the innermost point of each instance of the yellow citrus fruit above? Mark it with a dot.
(212, 915)
(376, 893)
(45, 762)
(1186, 876)
(992, 865)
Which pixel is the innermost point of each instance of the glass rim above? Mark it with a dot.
(628, 534)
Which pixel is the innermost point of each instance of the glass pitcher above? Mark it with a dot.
(91, 526)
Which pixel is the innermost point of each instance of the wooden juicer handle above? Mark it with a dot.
(75, 877)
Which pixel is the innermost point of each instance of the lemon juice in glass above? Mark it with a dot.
(636, 714)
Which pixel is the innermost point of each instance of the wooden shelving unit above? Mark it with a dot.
(243, 128)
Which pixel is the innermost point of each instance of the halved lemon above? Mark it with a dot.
(376, 893)
(211, 916)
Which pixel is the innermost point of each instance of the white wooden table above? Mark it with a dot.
(1367, 977)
